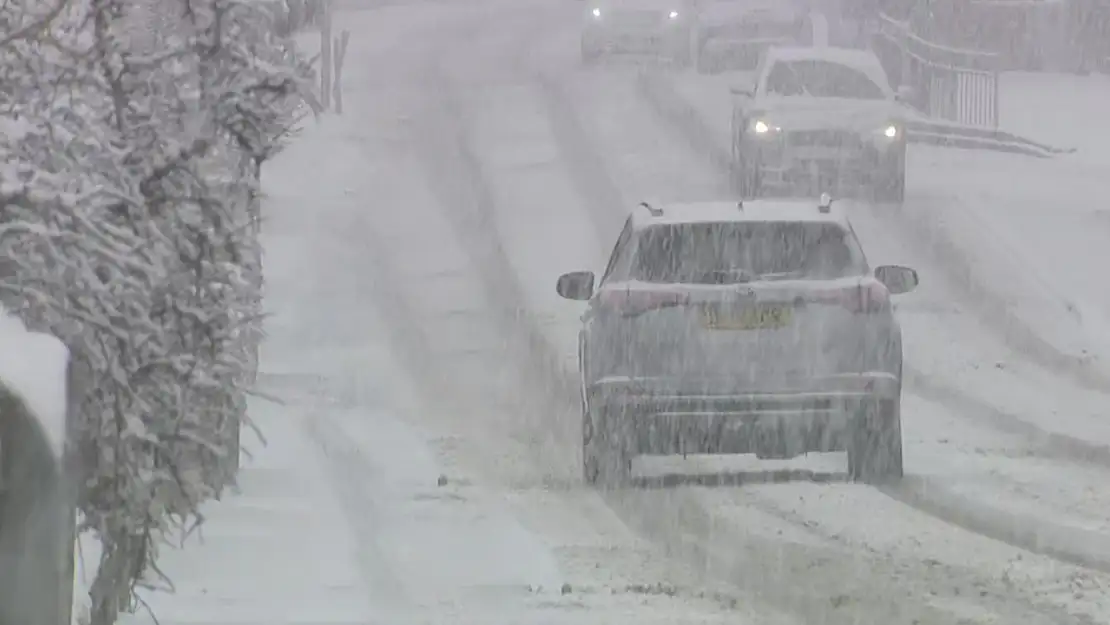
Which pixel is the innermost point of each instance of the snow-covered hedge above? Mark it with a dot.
(292, 16)
(131, 137)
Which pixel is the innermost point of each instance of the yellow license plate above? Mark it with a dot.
(756, 318)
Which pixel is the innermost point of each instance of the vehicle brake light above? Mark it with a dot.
(630, 302)
(869, 297)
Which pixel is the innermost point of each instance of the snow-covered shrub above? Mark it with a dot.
(131, 137)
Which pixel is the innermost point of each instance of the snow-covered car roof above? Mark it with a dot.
(647, 5)
(730, 11)
(863, 60)
(745, 9)
(757, 210)
(778, 13)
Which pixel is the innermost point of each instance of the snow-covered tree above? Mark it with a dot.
(132, 137)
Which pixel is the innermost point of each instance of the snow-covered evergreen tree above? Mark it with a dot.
(132, 137)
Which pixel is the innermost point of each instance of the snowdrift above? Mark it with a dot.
(36, 503)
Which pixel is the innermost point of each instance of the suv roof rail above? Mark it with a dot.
(824, 204)
(655, 212)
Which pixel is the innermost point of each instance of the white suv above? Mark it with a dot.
(662, 28)
(819, 116)
(728, 328)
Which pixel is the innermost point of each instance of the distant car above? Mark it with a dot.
(740, 328)
(732, 36)
(660, 28)
(819, 118)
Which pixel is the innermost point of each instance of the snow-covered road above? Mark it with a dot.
(412, 250)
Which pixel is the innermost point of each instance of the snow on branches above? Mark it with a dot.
(132, 135)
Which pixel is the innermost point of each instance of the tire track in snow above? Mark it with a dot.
(457, 178)
(927, 496)
(435, 151)
(349, 469)
(349, 473)
(1051, 445)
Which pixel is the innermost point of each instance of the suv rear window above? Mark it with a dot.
(722, 253)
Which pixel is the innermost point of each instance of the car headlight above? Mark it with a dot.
(761, 127)
(596, 13)
(890, 131)
(673, 15)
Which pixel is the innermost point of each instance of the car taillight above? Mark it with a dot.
(629, 302)
(870, 297)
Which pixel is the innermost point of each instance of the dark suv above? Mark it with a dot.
(728, 328)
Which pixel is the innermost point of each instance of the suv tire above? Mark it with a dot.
(875, 442)
(606, 461)
(745, 179)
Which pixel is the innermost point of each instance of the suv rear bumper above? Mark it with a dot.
(657, 417)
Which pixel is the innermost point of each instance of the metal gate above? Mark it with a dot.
(959, 86)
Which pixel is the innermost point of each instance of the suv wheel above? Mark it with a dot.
(745, 180)
(605, 458)
(875, 442)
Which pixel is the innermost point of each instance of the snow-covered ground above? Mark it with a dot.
(1062, 110)
(430, 418)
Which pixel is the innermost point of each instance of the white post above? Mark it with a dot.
(325, 55)
(340, 53)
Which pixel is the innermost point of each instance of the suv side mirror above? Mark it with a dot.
(576, 285)
(897, 279)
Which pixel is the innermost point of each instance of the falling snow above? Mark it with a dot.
(420, 448)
